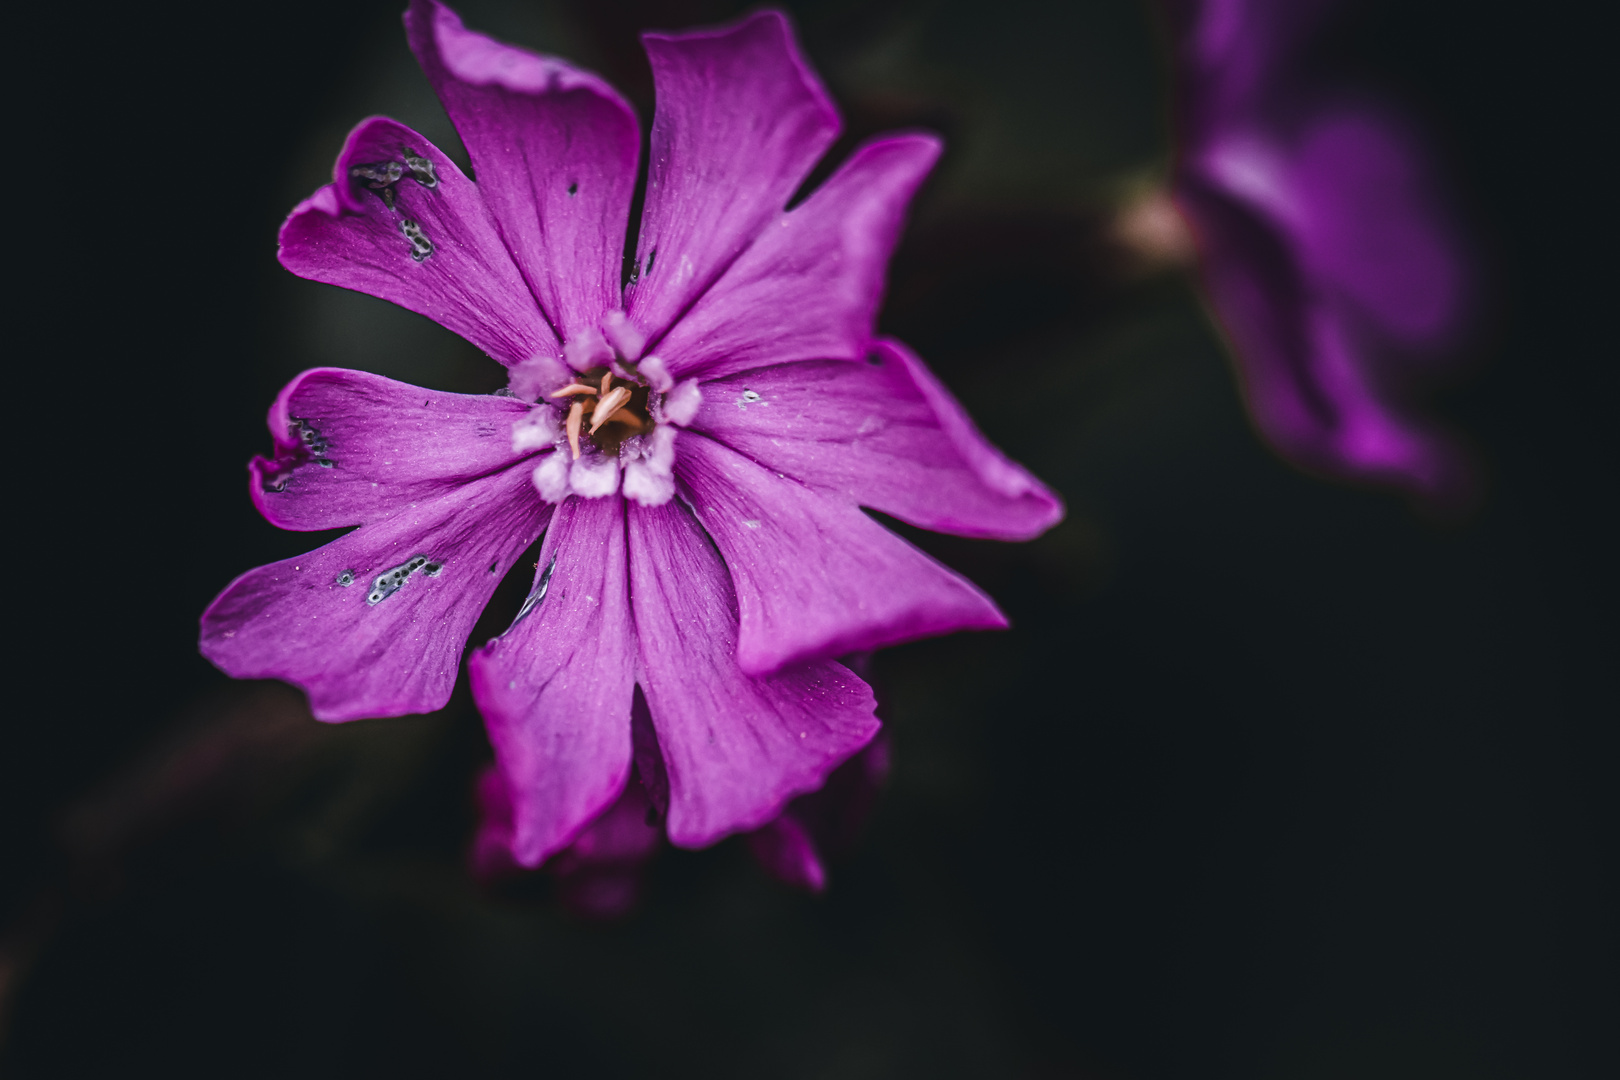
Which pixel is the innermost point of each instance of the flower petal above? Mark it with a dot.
(736, 748)
(815, 577)
(489, 856)
(601, 875)
(884, 434)
(352, 447)
(1369, 225)
(435, 250)
(788, 853)
(555, 689)
(1311, 386)
(1238, 51)
(740, 121)
(363, 626)
(555, 150)
(809, 287)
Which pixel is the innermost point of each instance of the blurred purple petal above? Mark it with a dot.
(1326, 250)
(784, 848)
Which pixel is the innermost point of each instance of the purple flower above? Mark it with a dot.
(696, 447)
(1326, 250)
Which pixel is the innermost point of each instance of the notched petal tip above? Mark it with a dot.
(776, 27)
(378, 154)
(442, 43)
(740, 121)
(401, 222)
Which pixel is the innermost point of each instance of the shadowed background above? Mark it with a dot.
(1271, 778)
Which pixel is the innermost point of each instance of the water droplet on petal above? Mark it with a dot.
(392, 580)
(421, 246)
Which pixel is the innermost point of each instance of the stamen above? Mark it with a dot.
(576, 412)
(607, 380)
(612, 402)
(573, 388)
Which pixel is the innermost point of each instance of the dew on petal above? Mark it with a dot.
(536, 594)
(378, 174)
(421, 169)
(390, 581)
(421, 246)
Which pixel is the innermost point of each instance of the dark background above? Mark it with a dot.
(1271, 779)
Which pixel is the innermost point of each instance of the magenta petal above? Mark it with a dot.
(885, 435)
(555, 151)
(490, 855)
(1239, 48)
(626, 832)
(435, 251)
(600, 875)
(788, 853)
(736, 748)
(1309, 379)
(373, 624)
(352, 447)
(809, 287)
(1368, 225)
(555, 689)
(815, 577)
(740, 121)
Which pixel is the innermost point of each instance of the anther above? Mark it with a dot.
(573, 388)
(612, 401)
(576, 412)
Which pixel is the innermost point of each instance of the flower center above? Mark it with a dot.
(613, 408)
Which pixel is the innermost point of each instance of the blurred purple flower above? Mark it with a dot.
(598, 875)
(601, 874)
(795, 847)
(1326, 249)
(696, 446)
